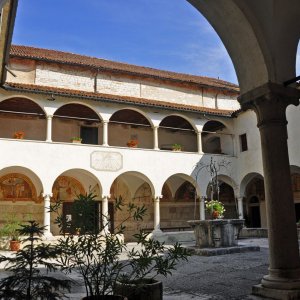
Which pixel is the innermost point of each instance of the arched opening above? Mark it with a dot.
(66, 188)
(21, 118)
(77, 122)
(255, 201)
(178, 203)
(216, 138)
(130, 128)
(20, 196)
(225, 194)
(135, 188)
(176, 132)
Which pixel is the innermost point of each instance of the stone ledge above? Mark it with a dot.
(221, 251)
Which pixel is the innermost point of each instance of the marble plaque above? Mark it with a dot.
(106, 161)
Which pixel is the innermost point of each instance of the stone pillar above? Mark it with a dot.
(105, 217)
(157, 214)
(105, 133)
(240, 207)
(155, 138)
(199, 142)
(49, 128)
(47, 219)
(202, 208)
(269, 103)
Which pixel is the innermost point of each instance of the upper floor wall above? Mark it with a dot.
(66, 76)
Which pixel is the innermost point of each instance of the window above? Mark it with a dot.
(243, 142)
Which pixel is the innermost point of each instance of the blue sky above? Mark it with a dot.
(164, 34)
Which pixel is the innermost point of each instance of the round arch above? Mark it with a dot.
(246, 179)
(130, 127)
(23, 119)
(73, 122)
(177, 132)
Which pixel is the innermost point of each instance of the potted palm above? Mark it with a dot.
(99, 256)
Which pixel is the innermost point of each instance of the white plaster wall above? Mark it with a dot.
(227, 102)
(54, 75)
(24, 71)
(118, 86)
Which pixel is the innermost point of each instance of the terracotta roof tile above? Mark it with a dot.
(30, 88)
(102, 64)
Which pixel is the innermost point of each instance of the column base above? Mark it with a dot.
(280, 294)
(48, 236)
(156, 232)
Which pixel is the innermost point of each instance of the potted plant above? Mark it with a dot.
(76, 140)
(96, 254)
(132, 143)
(10, 230)
(19, 134)
(215, 209)
(176, 147)
(26, 280)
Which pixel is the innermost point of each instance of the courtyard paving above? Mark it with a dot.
(207, 278)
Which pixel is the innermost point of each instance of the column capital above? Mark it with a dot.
(106, 197)
(105, 121)
(47, 195)
(49, 116)
(157, 198)
(274, 95)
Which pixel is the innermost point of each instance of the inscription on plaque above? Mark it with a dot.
(106, 161)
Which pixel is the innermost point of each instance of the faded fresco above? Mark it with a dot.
(17, 187)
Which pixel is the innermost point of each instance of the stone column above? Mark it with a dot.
(155, 138)
(49, 128)
(240, 207)
(269, 103)
(157, 214)
(47, 219)
(105, 216)
(202, 208)
(105, 133)
(199, 142)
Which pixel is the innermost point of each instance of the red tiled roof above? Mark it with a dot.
(31, 88)
(102, 64)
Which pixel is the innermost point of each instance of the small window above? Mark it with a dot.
(243, 142)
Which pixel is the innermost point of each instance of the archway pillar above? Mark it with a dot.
(269, 103)
(157, 229)
(105, 215)
(199, 142)
(240, 207)
(49, 128)
(105, 133)
(202, 208)
(47, 219)
(155, 138)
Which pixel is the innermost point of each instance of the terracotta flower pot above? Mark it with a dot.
(215, 214)
(15, 245)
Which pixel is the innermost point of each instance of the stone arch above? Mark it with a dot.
(22, 118)
(216, 138)
(246, 179)
(42, 110)
(256, 57)
(133, 187)
(130, 127)
(20, 194)
(252, 189)
(179, 201)
(79, 120)
(177, 129)
(67, 187)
